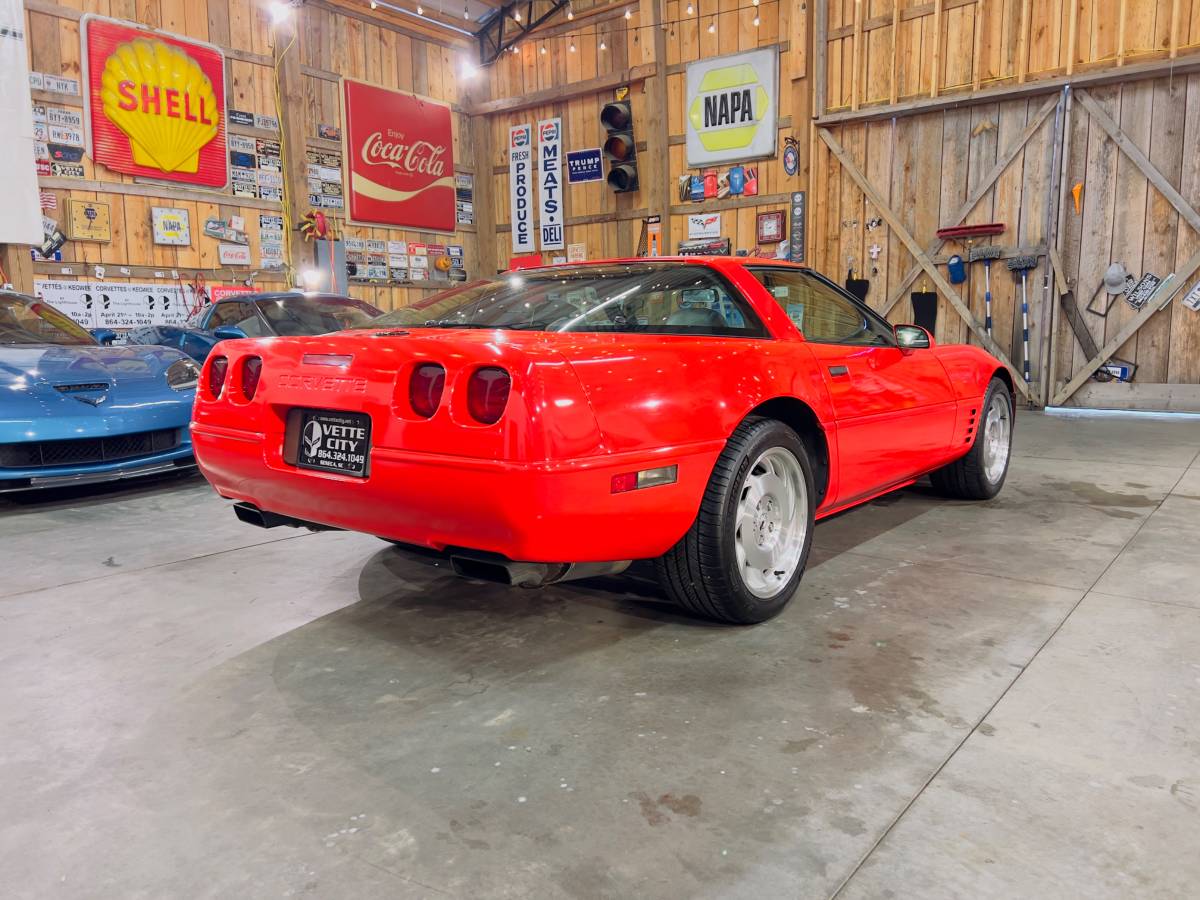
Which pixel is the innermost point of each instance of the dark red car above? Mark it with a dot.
(558, 423)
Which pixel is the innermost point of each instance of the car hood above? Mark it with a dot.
(81, 387)
(50, 364)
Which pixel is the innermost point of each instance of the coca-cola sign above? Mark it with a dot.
(399, 158)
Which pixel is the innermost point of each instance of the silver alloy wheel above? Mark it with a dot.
(772, 522)
(997, 438)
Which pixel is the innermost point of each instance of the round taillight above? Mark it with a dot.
(425, 388)
(487, 394)
(218, 368)
(251, 372)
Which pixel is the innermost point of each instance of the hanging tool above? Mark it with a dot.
(966, 234)
(925, 307)
(986, 253)
(1020, 267)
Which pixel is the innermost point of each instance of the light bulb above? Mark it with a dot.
(712, 26)
(516, 15)
(756, 21)
(628, 15)
(572, 47)
(374, 5)
(420, 10)
(755, 2)
(690, 9)
(543, 49)
(603, 46)
(570, 13)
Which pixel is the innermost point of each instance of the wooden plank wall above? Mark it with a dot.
(336, 44)
(881, 51)
(54, 46)
(329, 44)
(925, 164)
(925, 167)
(1125, 219)
(610, 224)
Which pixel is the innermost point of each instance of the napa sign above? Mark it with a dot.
(732, 107)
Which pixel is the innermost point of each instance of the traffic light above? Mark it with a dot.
(619, 147)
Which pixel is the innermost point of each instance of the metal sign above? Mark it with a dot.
(520, 140)
(732, 107)
(584, 165)
(165, 121)
(550, 184)
(797, 236)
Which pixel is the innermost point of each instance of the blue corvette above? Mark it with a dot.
(283, 314)
(73, 411)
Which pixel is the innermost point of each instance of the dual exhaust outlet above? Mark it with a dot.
(466, 563)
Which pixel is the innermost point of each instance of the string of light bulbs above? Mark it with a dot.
(515, 15)
(667, 25)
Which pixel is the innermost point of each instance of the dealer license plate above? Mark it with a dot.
(334, 442)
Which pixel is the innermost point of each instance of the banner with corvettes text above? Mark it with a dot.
(520, 187)
(399, 158)
(155, 103)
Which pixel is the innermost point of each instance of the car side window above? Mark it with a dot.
(234, 312)
(819, 310)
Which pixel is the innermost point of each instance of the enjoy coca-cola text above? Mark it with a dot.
(418, 158)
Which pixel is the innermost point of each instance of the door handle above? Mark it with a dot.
(839, 371)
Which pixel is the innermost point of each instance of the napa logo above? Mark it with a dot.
(731, 107)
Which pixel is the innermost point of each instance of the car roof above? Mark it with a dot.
(283, 295)
(715, 262)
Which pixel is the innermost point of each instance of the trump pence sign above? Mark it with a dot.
(156, 104)
(732, 104)
(399, 158)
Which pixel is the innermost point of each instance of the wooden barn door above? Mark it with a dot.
(883, 188)
(1133, 150)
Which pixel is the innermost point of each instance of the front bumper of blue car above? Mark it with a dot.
(42, 475)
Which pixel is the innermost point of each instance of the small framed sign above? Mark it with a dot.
(769, 227)
(172, 227)
(88, 220)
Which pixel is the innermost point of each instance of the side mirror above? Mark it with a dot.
(228, 333)
(104, 336)
(913, 337)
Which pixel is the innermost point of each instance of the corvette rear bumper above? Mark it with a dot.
(561, 511)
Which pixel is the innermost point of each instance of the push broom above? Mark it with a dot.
(967, 234)
(1020, 266)
(986, 253)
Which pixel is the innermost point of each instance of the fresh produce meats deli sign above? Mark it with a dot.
(399, 158)
(156, 104)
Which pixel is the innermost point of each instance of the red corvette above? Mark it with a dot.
(558, 423)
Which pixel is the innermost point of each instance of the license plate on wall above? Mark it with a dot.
(333, 441)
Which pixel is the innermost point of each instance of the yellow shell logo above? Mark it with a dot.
(162, 101)
(728, 107)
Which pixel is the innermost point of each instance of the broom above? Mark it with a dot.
(986, 253)
(1020, 266)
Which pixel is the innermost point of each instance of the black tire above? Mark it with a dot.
(701, 572)
(966, 478)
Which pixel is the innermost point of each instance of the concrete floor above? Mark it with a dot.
(993, 699)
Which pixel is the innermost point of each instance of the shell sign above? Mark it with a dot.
(156, 104)
(731, 107)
